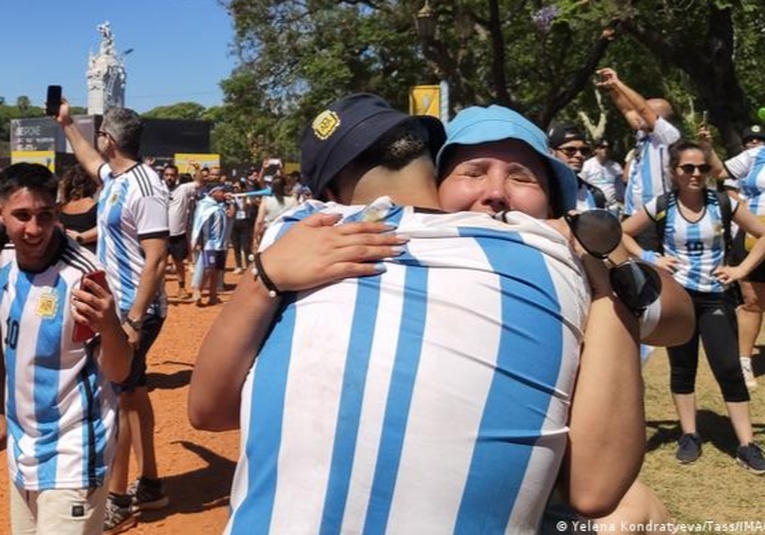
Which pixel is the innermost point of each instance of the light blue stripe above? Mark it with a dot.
(400, 392)
(352, 396)
(646, 179)
(265, 427)
(695, 257)
(750, 186)
(528, 364)
(113, 231)
(16, 311)
(47, 374)
(93, 432)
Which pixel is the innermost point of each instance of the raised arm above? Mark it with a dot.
(86, 154)
(625, 98)
(312, 253)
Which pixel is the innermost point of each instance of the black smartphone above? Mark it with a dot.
(53, 100)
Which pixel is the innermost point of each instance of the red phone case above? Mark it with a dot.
(81, 332)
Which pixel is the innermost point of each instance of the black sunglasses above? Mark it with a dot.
(598, 231)
(635, 283)
(570, 151)
(689, 168)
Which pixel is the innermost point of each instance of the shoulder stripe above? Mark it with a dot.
(144, 182)
(77, 259)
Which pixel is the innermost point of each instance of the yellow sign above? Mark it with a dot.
(425, 100)
(43, 157)
(183, 161)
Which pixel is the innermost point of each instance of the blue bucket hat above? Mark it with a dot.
(477, 125)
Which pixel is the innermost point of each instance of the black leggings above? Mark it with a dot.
(241, 241)
(717, 326)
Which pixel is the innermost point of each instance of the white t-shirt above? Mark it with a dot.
(605, 176)
(180, 201)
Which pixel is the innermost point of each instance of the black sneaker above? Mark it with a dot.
(148, 495)
(119, 516)
(750, 457)
(688, 448)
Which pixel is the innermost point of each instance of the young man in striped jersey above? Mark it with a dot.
(133, 232)
(415, 401)
(61, 405)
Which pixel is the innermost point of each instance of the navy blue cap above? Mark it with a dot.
(348, 127)
(477, 125)
(753, 132)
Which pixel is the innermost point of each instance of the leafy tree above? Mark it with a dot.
(181, 110)
(532, 55)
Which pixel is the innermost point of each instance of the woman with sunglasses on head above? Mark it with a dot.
(694, 251)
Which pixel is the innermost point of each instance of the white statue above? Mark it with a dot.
(106, 74)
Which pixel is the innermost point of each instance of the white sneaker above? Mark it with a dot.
(749, 378)
(238, 270)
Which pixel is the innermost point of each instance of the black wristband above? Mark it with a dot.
(273, 291)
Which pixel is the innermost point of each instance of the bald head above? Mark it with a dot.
(662, 107)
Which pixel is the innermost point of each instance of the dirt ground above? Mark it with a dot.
(198, 466)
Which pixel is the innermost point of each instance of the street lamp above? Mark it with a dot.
(425, 22)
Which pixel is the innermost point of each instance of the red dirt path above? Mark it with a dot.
(197, 467)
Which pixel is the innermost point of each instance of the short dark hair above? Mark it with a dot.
(394, 150)
(171, 166)
(124, 126)
(33, 176)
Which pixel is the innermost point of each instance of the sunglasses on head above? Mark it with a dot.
(689, 168)
(636, 284)
(570, 151)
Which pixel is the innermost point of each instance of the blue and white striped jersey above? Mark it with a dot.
(210, 225)
(699, 245)
(61, 411)
(648, 175)
(748, 170)
(432, 398)
(132, 206)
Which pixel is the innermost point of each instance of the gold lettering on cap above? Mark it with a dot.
(325, 124)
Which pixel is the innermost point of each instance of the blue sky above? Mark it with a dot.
(182, 48)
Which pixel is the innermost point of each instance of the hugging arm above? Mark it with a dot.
(312, 253)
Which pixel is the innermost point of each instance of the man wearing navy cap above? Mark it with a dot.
(413, 400)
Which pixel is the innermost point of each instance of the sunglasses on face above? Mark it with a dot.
(570, 151)
(636, 284)
(689, 168)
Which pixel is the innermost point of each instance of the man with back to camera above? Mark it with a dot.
(61, 406)
(401, 453)
(132, 245)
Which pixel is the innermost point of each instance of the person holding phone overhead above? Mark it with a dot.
(60, 406)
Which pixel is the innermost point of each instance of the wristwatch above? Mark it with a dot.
(134, 324)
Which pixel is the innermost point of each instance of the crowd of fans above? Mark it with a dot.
(469, 350)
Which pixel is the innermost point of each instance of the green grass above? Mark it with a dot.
(714, 488)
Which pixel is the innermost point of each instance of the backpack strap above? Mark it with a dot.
(662, 203)
(726, 212)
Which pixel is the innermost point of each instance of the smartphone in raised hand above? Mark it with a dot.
(53, 100)
(81, 332)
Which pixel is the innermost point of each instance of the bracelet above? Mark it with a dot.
(258, 271)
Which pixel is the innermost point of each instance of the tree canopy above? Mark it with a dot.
(535, 56)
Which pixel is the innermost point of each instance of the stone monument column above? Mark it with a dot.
(106, 75)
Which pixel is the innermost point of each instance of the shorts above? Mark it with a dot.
(178, 247)
(150, 329)
(214, 259)
(740, 252)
